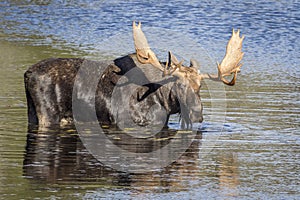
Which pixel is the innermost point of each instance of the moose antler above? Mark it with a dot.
(145, 55)
(175, 68)
(229, 65)
(231, 61)
(143, 52)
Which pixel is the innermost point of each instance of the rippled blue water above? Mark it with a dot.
(271, 27)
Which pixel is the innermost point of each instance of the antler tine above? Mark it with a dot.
(143, 52)
(139, 25)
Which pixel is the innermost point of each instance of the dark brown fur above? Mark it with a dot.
(49, 87)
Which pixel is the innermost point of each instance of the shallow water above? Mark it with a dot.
(249, 144)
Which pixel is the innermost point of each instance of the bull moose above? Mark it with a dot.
(148, 96)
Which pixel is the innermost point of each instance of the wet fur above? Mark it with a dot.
(49, 85)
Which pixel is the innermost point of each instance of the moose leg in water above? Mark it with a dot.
(48, 86)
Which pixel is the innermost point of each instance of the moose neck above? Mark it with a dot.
(150, 91)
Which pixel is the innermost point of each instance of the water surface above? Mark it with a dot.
(256, 148)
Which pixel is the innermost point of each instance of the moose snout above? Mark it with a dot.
(196, 115)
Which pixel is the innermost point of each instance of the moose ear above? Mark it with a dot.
(194, 64)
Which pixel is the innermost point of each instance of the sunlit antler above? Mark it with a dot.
(143, 52)
(229, 65)
(172, 65)
(175, 68)
(145, 55)
(231, 61)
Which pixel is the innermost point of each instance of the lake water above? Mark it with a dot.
(248, 146)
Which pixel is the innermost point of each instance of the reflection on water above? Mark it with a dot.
(229, 175)
(255, 154)
(59, 157)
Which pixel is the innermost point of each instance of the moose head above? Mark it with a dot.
(189, 79)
